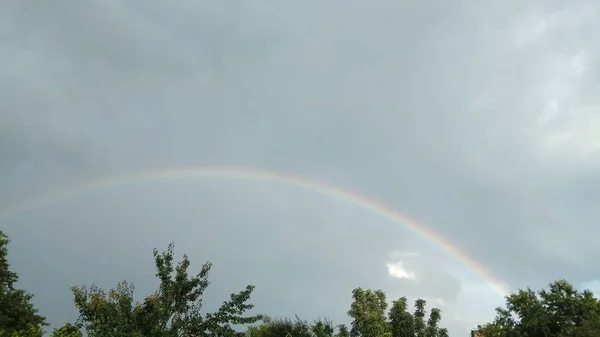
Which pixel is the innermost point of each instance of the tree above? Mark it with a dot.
(30, 331)
(560, 311)
(419, 318)
(342, 331)
(404, 324)
(67, 330)
(588, 328)
(323, 328)
(368, 313)
(18, 316)
(433, 329)
(401, 321)
(280, 327)
(172, 311)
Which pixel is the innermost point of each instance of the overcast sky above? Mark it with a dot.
(479, 119)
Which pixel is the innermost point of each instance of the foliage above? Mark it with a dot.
(279, 327)
(368, 313)
(560, 311)
(67, 330)
(18, 316)
(404, 324)
(172, 311)
(29, 331)
(323, 328)
(342, 331)
(588, 328)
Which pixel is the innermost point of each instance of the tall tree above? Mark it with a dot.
(405, 324)
(560, 311)
(367, 311)
(172, 311)
(17, 313)
(419, 317)
(401, 321)
(433, 329)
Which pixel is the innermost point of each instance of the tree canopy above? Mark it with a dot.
(18, 316)
(174, 309)
(559, 311)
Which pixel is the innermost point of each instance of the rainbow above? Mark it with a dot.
(338, 193)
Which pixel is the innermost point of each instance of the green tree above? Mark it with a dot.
(443, 332)
(342, 331)
(433, 329)
(323, 328)
(404, 324)
(18, 316)
(281, 327)
(419, 318)
(172, 311)
(401, 321)
(67, 330)
(29, 331)
(588, 328)
(560, 311)
(368, 311)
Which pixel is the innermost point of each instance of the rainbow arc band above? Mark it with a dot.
(214, 172)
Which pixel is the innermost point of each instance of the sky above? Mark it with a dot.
(479, 120)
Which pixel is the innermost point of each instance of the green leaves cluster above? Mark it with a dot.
(559, 311)
(174, 310)
(370, 318)
(68, 330)
(18, 316)
(280, 327)
(368, 311)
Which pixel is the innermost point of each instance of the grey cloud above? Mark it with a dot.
(433, 108)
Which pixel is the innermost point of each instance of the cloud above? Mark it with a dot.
(477, 120)
(396, 269)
